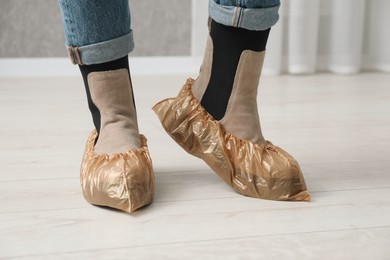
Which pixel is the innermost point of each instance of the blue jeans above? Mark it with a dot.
(99, 31)
(256, 15)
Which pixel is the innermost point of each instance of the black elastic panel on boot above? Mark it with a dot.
(229, 42)
(122, 63)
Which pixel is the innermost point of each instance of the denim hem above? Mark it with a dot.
(103, 51)
(255, 19)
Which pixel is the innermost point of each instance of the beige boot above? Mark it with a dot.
(117, 169)
(241, 118)
(111, 93)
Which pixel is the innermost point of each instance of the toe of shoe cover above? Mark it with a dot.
(123, 181)
(257, 170)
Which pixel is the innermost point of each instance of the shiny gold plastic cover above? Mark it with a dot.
(262, 171)
(121, 181)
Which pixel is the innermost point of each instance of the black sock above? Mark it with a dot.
(122, 63)
(229, 42)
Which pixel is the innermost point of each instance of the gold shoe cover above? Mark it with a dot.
(122, 181)
(262, 171)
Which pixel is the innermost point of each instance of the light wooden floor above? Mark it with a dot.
(338, 128)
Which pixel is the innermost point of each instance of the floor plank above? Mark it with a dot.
(357, 244)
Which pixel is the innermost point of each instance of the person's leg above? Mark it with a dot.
(216, 116)
(241, 29)
(99, 38)
(116, 169)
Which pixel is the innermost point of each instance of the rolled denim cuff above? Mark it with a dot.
(102, 51)
(255, 19)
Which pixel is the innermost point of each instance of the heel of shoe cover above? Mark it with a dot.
(262, 171)
(123, 181)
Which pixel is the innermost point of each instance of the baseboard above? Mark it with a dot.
(53, 67)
